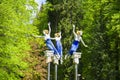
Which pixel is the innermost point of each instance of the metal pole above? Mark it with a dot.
(76, 72)
(49, 55)
(76, 57)
(49, 71)
(79, 76)
(55, 71)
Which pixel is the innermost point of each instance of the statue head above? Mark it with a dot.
(45, 31)
(57, 34)
(79, 32)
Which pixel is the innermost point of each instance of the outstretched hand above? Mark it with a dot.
(32, 35)
(73, 26)
(49, 24)
(60, 32)
(86, 45)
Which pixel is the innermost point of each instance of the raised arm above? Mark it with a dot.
(74, 30)
(83, 42)
(60, 34)
(49, 28)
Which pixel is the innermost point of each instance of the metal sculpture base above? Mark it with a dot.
(76, 56)
(56, 62)
(49, 55)
(56, 59)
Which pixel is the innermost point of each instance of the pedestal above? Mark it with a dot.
(49, 55)
(56, 60)
(76, 56)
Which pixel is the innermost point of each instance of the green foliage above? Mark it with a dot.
(100, 21)
(64, 15)
(15, 31)
(42, 18)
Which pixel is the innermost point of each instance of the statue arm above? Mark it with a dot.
(74, 30)
(60, 34)
(38, 36)
(49, 28)
(83, 42)
(52, 38)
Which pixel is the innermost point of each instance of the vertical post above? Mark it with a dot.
(48, 55)
(49, 71)
(56, 62)
(79, 76)
(76, 56)
(55, 71)
(76, 72)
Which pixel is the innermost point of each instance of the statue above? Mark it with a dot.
(58, 44)
(48, 41)
(77, 39)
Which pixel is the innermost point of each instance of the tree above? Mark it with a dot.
(93, 17)
(100, 22)
(15, 29)
(100, 57)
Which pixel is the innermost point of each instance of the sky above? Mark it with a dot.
(40, 2)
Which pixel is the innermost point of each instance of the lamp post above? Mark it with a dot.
(49, 55)
(56, 62)
(76, 56)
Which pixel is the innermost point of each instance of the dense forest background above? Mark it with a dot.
(22, 56)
